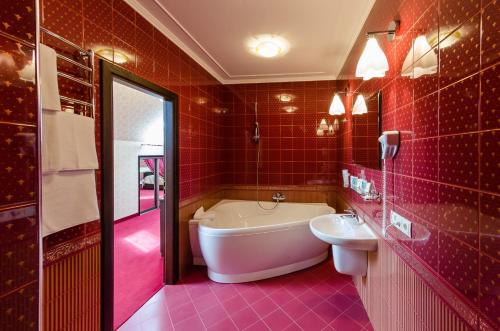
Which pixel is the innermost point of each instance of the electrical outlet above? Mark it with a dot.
(401, 223)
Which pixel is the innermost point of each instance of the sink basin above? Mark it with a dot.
(344, 230)
(350, 241)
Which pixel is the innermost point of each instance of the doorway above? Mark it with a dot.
(139, 192)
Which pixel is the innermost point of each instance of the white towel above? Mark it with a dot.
(201, 214)
(69, 198)
(48, 79)
(68, 142)
(84, 130)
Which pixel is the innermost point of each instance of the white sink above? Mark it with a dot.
(350, 241)
(343, 230)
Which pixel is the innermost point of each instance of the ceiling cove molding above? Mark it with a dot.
(356, 35)
(216, 72)
(166, 31)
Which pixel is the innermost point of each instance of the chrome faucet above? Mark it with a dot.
(354, 214)
(278, 197)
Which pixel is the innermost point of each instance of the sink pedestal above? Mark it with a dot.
(350, 261)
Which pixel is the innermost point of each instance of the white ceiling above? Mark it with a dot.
(321, 34)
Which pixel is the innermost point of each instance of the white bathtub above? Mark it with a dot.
(246, 243)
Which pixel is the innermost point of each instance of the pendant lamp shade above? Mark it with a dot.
(373, 62)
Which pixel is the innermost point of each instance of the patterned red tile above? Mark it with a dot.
(490, 38)
(461, 58)
(490, 161)
(455, 12)
(458, 107)
(488, 296)
(123, 8)
(490, 104)
(425, 200)
(426, 243)
(18, 18)
(18, 167)
(403, 162)
(425, 116)
(459, 213)
(458, 160)
(20, 310)
(18, 102)
(97, 38)
(18, 248)
(489, 220)
(403, 192)
(458, 264)
(100, 13)
(62, 20)
(123, 29)
(425, 154)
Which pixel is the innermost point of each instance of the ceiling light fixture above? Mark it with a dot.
(268, 46)
(285, 97)
(373, 62)
(426, 59)
(359, 107)
(290, 109)
(336, 107)
(115, 56)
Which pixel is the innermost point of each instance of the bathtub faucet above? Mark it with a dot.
(278, 197)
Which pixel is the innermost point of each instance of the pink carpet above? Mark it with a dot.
(146, 199)
(138, 264)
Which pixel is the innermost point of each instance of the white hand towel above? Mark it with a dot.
(58, 142)
(48, 79)
(69, 198)
(68, 142)
(84, 131)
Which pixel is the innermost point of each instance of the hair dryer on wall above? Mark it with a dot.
(389, 143)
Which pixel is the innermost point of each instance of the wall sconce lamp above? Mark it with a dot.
(336, 107)
(373, 62)
(359, 107)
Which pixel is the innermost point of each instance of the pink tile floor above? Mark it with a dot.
(317, 298)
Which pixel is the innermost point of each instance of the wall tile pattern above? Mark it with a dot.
(446, 180)
(291, 152)
(19, 227)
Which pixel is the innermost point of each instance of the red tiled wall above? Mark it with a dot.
(291, 152)
(19, 245)
(96, 24)
(445, 177)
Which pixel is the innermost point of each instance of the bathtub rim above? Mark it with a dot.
(207, 230)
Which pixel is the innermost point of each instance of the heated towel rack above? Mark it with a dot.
(85, 107)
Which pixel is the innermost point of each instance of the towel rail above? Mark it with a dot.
(73, 62)
(80, 102)
(89, 57)
(74, 79)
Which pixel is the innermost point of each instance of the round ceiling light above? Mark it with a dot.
(268, 46)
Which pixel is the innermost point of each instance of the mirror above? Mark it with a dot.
(151, 182)
(366, 128)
